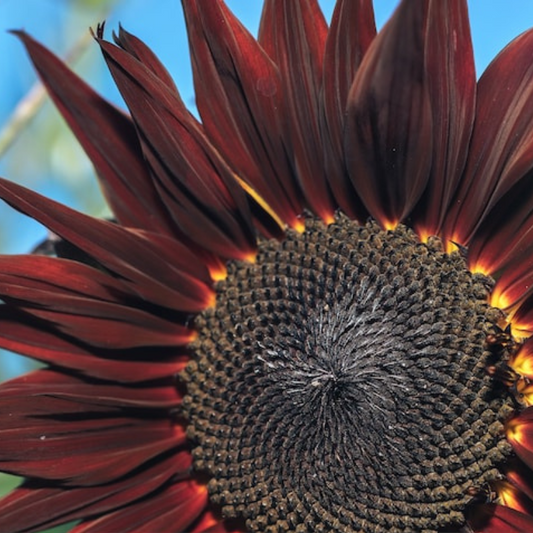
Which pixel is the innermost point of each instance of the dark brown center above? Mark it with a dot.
(340, 384)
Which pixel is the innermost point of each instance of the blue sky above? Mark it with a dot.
(160, 24)
(494, 23)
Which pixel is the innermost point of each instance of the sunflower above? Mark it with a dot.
(313, 309)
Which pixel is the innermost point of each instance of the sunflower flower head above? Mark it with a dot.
(313, 309)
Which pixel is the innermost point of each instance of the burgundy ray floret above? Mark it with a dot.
(314, 310)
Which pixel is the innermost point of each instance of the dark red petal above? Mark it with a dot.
(519, 431)
(520, 476)
(146, 266)
(54, 384)
(351, 31)
(81, 307)
(522, 360)
(64, 276)
(240, 99)
(111, 326)
(139, 50)
(173, 509)
(452, 90)
(77, 444)
(499, 519)
(521, 317)
(36, 506)
(510, 496)
(109, 138)
(388, 134)
(294, 34)
(213, 523)
(505, 235)
(502, 247)
(514, 282)
(221, 528)
(22, 333)
(501, 149)
(197, 187)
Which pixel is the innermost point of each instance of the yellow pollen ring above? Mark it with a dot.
(208, 520)
(250, 257)
(328, 218)
(212, 300)
(299, 226)
(218, 273)
(200, 486)
(507, 495)
(451, 247)
(260, 200)
(522, 363)
(424, 235)
(515, 432)
(193, 336)
(390, 225)
(478, 268)
(498, 299)
(520, 330)
(524, 390)
(453, 244)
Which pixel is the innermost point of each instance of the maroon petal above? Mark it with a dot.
(505, 234)
(511, 496)
(111, 326)
(240, 99)
(59, 457)
(294, 35)
(171, 276)
(173, 509)
(75, 305)
(501, 149)
(514, 283)
(351, 31)
(109, 139)
(64, 276)
(452, 91)
(522, 359)
(221, 527)
(60, 439)
(502, 247)
(140, 51)
(212, 522)
(519, 475)
(388, 134)
(513, 291)
(197, 187)
(521, 317)
(36, 506)
(519, 431)
(499, 519)
(22, 333)
(54, 384)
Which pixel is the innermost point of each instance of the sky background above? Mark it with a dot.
(46, 157)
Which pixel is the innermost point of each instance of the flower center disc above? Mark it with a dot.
(340, 385)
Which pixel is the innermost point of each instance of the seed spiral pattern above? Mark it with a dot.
(340, 385)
